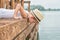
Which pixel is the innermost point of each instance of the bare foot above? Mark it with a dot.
(18, 17)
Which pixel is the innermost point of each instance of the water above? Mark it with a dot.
(49, 28)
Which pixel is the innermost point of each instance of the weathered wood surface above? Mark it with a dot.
(11, 29)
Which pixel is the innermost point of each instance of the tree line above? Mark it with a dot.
(41, 8)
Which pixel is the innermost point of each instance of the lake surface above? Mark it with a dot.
(49, 27)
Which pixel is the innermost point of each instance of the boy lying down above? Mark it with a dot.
(8, 13)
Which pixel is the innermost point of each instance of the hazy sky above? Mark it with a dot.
(47, 3)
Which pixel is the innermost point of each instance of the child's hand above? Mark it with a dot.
(31, 18)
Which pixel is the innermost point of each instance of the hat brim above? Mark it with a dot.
(37, 14)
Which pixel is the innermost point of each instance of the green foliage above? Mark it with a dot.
(41, 8)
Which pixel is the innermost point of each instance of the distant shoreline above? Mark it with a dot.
(47, 10)
(41, 8)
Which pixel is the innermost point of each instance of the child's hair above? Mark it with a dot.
(17, 1)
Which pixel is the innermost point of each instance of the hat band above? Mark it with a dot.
(36, 17)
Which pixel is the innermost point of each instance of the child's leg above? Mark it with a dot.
(16, 11)
(22, 12)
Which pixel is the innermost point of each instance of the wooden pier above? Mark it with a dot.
(20, 29)
(11, 29)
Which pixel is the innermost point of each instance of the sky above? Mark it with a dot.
(47, 3)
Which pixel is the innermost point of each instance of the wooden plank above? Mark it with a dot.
(29, 29)
(11, 30)
(35, 37)
(21, 37)
(16, 29)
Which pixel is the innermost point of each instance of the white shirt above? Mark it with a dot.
(7, 13)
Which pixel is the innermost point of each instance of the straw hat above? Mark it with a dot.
(37, 14)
